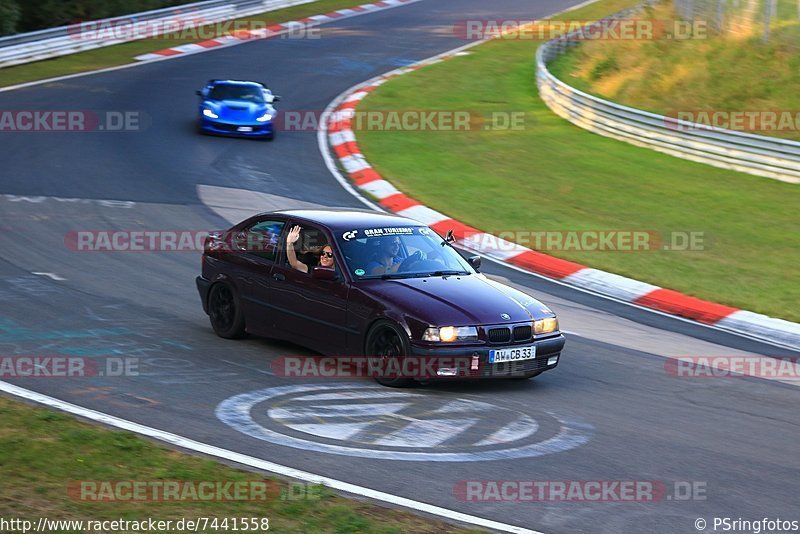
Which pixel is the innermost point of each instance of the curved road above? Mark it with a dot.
(610, 412)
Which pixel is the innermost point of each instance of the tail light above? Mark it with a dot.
(213, 243)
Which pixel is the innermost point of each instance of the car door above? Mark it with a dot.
(254, 249)
(309, 311)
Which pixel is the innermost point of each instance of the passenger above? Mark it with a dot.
(325, 259)
(386, 260)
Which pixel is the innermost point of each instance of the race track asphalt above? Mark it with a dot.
(611, 411)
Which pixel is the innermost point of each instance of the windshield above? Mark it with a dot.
(403, 252)
(236, 92)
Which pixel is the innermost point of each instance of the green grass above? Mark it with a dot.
(112, 56)
(552, 175)
(44, 453)
(718, 72)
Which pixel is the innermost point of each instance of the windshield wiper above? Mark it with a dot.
(389, 276)
(392, 276)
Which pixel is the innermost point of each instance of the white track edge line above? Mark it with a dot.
(135, 63)
(345, 183)
(322, 132)
(751, 337)
(322, 144)
(257, 463)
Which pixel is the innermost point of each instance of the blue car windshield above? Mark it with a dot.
(236, 92)
(404, 252)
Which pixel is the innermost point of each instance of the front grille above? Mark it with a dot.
(499, 335)
(234, 127)
(505, 334)
(522, 333)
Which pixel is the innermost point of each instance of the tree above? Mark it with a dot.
(9, 16)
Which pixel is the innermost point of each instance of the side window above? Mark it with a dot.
(263, 239)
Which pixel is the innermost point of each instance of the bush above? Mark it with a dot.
(40, 14)
(605, 66)
(9, 16)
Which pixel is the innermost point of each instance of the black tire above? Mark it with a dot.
(225, 311)
(387, 340)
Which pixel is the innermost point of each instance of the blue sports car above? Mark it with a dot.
(239, 108)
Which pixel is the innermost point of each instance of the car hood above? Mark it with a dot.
(458, 300)
(237, 110)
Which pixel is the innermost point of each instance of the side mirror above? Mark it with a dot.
(323, 273)
(275, 98)
(450, 238)
(198, 93)
(475, 261)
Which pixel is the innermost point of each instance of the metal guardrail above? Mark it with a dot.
(754, 154)
(64, 40)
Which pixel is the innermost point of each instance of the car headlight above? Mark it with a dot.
(210, 114)
(265, 117)
(450, 333)
(545, 326)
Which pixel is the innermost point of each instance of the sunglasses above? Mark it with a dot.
(328, 254)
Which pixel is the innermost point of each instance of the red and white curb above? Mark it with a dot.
(343, 144)
(245, 36)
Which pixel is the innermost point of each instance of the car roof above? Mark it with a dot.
(348, 218)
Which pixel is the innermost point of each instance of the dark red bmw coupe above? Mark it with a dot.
(392, 290)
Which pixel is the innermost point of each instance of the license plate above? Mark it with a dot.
(514, 354)
(245, 128)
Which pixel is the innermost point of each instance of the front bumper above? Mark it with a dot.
(203, 287)
(548, 354)
(261, 129)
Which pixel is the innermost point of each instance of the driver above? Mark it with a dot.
(386, 260)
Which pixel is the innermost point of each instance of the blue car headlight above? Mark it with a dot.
(210, 114)
(265, 117)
